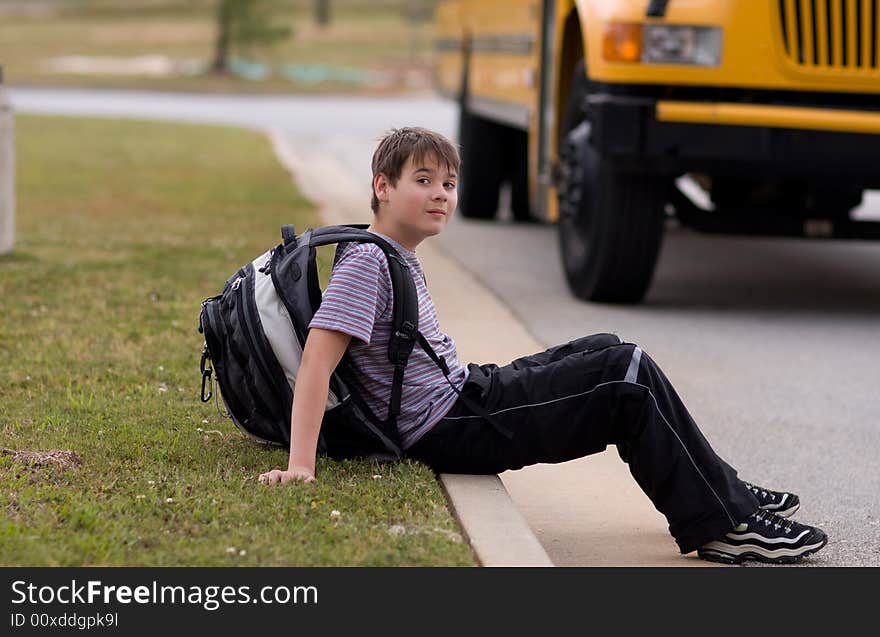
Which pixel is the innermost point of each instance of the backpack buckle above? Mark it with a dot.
(406, 331)
(207, 370)
(402, 343)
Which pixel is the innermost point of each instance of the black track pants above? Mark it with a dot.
(576, 399)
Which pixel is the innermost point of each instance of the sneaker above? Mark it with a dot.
(779, 502)
(765, 537)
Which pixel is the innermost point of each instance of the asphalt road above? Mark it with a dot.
(772, 343)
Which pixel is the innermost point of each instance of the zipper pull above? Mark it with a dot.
(267, 268)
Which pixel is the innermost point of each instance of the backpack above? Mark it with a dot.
(255, 331)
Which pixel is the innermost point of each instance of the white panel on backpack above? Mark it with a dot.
(278, 327)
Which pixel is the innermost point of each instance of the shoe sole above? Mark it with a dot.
(722, 557)
(785, 513)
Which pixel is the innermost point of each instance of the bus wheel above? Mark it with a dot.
(520, 205)
(610, 221)
(482, 166)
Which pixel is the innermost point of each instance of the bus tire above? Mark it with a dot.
(482, 167)
(520, 204)
(610, 220)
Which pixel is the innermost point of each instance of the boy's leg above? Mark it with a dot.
(578, 404)
(591, 343)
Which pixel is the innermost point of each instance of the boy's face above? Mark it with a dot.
(419, 205)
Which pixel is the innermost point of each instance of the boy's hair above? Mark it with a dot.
(399, 144)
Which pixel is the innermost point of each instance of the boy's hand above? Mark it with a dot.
(279, 476)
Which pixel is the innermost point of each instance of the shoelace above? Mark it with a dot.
(777, 521)
(758, 490)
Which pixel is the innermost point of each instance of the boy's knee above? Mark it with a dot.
(599, 341)
(628, 357)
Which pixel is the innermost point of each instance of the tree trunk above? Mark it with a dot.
(322, 12)
(224, 29)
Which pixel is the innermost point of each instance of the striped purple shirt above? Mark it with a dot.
(358, 301)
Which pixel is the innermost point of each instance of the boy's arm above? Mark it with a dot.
(323, 351)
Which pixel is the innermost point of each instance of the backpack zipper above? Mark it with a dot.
(262, 365)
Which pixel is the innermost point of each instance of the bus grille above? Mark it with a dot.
(832, 34)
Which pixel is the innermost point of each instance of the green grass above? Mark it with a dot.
(123, 229)
(362, 36)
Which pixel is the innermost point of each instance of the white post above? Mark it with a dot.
(7, 172)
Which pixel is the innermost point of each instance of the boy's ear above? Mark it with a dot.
(380, 187)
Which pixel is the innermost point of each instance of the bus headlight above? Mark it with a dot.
(681, 44)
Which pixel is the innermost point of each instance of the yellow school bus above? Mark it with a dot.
(753, 117)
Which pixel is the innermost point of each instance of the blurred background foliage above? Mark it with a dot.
(276, 46)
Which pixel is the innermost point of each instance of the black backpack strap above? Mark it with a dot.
(404, 327)
(434, 356)
(477, 409)
(399, 349)
(405, 308)
(288, 233)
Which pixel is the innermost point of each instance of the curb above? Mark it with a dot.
(498, 534)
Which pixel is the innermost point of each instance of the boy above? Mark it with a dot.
(567, 402)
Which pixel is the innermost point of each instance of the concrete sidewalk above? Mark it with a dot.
(587, 512)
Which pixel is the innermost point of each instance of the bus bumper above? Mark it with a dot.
(673, 137)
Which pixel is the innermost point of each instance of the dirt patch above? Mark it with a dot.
(362, 34)
(58, 457)
(153, 34)
(145, 65)
(30, 9)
